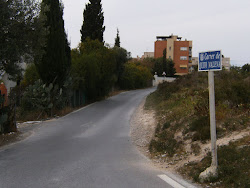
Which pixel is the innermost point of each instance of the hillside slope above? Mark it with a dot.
(182, 136)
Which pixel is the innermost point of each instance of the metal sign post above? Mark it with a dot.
(211, 61)
(212, 118)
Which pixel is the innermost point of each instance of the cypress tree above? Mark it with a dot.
(54, 61)
(117, 39)
(93, 19)
(164, 60)
(170, 67)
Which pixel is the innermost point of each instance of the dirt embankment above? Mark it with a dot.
(142, 128)
(143, 124)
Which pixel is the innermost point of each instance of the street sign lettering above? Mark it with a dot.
(210, 61)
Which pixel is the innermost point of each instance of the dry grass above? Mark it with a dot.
(182, 110)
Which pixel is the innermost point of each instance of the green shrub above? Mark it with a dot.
(31, 75)
(167, 89)
(94, 69)
(166, 125)
(166, 143)
(135, 76)
(201, 106)
(185, 103)
(201, 128)
(43, 98)
(233, 165)
(232, 87)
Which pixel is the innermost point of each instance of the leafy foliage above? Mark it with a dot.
(164, 65)
(166, 143)
(234, 90)
(135, 76)
(31, 75)
(121, 57)
(93, 19)
(93, 68)
(149, 63)
(233, 169)
(53, 61)
(246, 68)
(17, 22)
(44, 98)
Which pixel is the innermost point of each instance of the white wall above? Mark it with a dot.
(159, 80)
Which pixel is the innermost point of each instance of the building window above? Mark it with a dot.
(183, 66)
(184, 49)
(183, 58)
(170, 48)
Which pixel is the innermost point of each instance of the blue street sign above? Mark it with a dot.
(210, 61)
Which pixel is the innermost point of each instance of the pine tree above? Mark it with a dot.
(54, 62)
(117, 39)
(93, 19)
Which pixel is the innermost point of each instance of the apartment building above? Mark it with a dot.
(180, 51)
(147, 55)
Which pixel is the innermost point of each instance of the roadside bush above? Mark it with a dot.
(30, 76)
(94, 69)
(43, 98)
(167, 89)
(233, 165)
(246, 68)
(166, 125)
(201, 105)
(201, 128)
(135, 76)
(165, 143)
(121, 57)
(232, 171)
(233, 88)
(185, 104)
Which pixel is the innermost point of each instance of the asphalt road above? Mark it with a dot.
(89, 148)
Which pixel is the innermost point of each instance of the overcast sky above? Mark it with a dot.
(211, 25)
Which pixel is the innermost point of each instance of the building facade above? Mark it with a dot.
(177, 50)
(147, 55)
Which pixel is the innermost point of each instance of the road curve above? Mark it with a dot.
(89, 148)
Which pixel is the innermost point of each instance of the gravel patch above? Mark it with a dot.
(142, 128)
